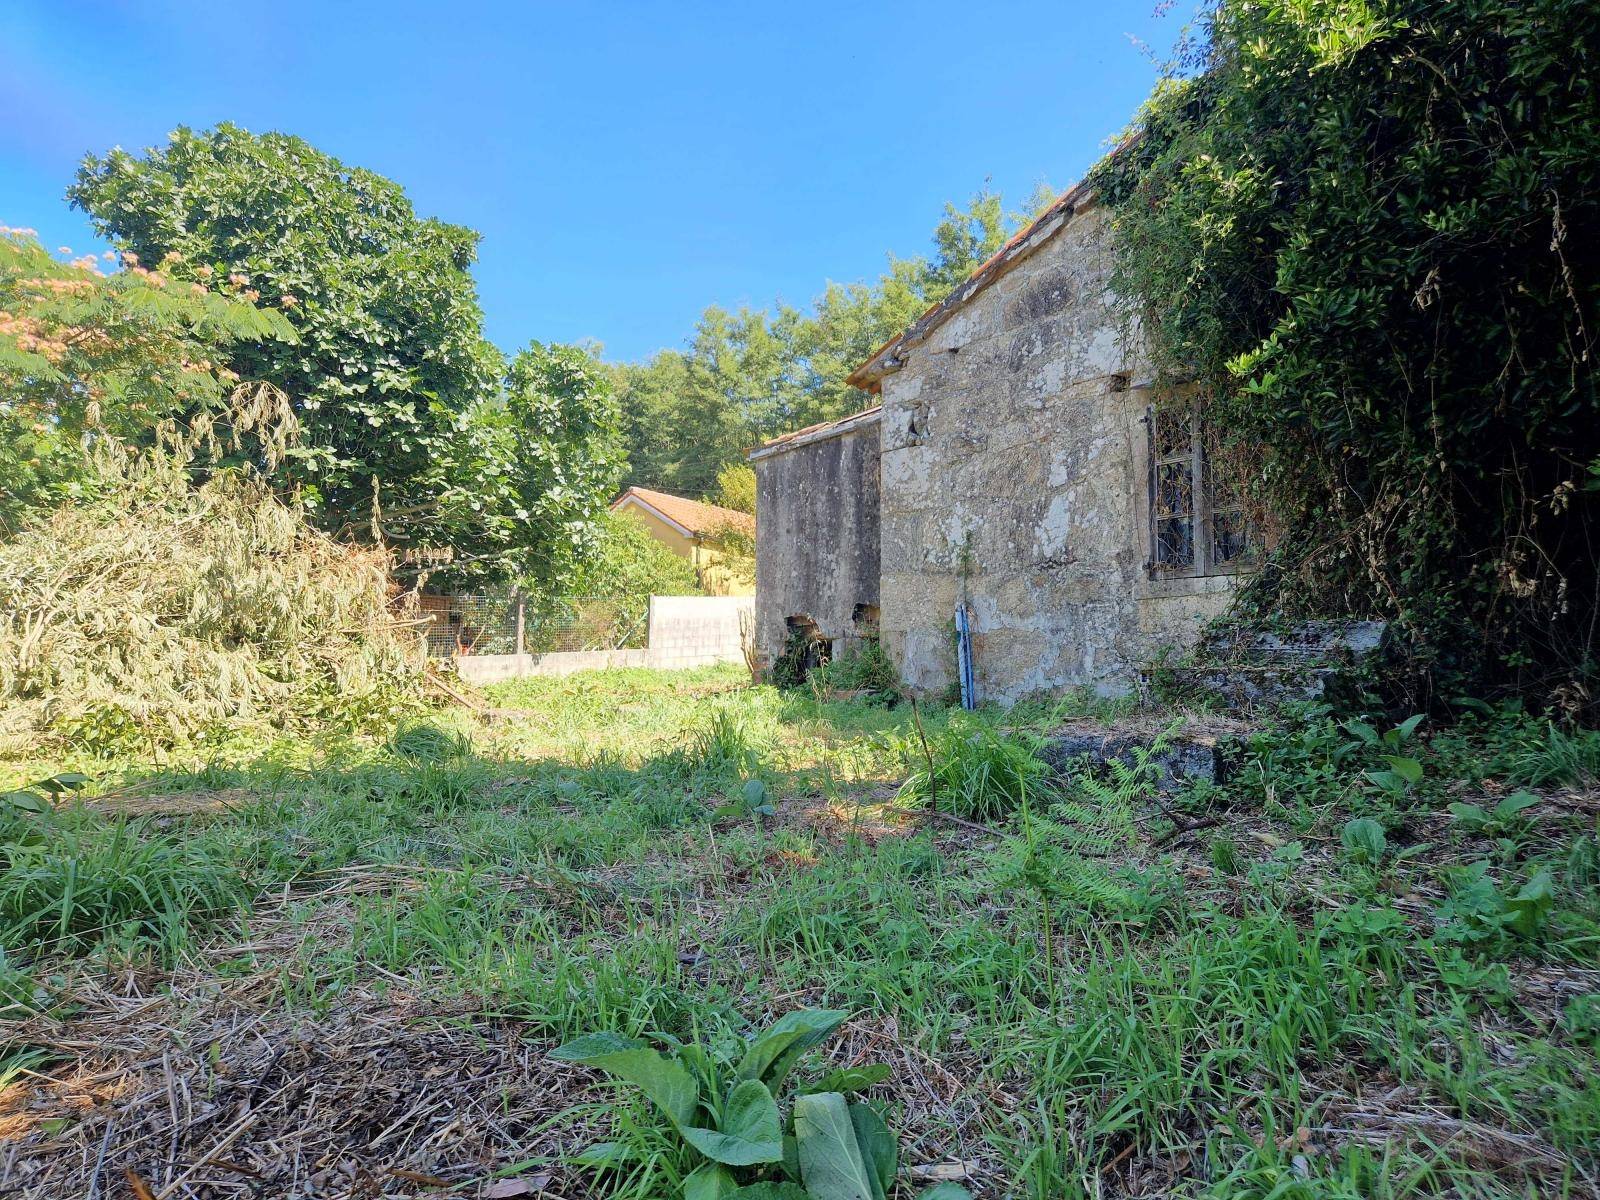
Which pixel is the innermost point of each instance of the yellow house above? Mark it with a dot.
(698, 532)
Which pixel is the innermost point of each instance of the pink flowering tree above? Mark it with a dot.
(92, 351)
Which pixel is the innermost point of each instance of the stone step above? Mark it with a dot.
(1249, 668)
(1328, 643)
(1246, 687)
(1195, 750)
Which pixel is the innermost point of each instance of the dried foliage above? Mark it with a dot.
(164, 611)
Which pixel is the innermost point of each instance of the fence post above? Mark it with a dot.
(521, 642)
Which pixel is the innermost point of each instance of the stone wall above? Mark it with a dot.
(817, 533)
(1014, 471)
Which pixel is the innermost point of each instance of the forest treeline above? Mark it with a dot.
(749, 374)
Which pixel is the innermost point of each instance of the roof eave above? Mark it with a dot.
(638, 501)
(891, 356)
(809, 437)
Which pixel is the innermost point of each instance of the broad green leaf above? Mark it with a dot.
(1388, 781)
(1408, 769)
(945, 1191)
(713, 1181)
(877, 1146)
(751, 1129)
(832, 1166)
(1513, 804)
(1526, 910)
(1362, 730)
(27, 801)
(755, 793)
(1409, 726)
(774, 1052)
(64, 782)
(591, 1046)
(849, 1079)
(669, 1087)
(1364, 838)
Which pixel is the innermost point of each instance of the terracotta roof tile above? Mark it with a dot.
(694, 515)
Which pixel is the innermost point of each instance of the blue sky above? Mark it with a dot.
(626, 163)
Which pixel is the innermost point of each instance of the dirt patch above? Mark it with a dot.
(217, 1092)
(199, 802)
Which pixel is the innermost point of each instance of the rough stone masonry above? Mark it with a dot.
(817, 535)
(1014, 473)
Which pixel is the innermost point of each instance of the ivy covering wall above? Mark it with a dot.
(1369, 232)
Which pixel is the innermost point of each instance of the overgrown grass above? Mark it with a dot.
(1089, 990)
(972, 769)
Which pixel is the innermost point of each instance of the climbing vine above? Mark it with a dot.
(1368, 232)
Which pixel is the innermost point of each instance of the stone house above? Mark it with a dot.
(1023, 467)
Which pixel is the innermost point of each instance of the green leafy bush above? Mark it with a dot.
(752, 804)
(863, 668)
(1364, 840)
(726, 1109)
(626, 565)
(1402, 772)
(1506, 819)
(1479, 913)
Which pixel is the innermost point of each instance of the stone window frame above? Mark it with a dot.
(1191, 498)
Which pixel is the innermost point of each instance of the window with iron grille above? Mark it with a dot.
(1197, 522)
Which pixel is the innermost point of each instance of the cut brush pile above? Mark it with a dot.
(164, 611)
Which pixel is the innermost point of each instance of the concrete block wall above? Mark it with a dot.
(496, 668)
(685, 631)
(698, 631)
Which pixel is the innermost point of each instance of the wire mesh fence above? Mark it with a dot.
(507, 623)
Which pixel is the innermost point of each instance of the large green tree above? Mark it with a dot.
(535, 466)
(395, 386)
(1369, 232)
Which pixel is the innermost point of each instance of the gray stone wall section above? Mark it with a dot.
(1013, 467)
(817, 544)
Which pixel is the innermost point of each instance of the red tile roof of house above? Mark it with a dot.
(694, 516)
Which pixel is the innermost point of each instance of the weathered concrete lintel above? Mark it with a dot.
(817, 433)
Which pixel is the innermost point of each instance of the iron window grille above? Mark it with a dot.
(1197, 523)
